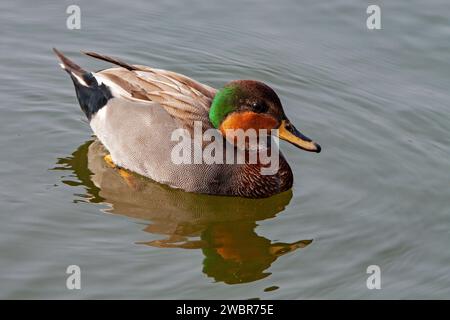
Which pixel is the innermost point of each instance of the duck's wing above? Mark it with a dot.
(183, 98)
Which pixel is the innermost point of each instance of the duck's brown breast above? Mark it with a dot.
(248, 181)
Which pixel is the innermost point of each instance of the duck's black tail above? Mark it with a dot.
(91, 95)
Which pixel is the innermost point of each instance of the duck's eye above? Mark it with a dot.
(259, 107)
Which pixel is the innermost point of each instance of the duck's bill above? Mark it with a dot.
(280, 248)
(289, 133)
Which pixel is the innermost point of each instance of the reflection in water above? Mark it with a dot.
(222, 227)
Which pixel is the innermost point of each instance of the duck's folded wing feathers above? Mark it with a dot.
(176, 78)
(183, 97)
(185, 104)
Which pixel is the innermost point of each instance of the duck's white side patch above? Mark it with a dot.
(99, 123)
(100, 115)
(80, 80)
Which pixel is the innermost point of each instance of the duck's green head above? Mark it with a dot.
(249, 104)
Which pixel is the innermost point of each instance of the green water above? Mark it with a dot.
(376, 100)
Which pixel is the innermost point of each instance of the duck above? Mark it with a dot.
(134, 111)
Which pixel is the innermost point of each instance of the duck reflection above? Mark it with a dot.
(222, 227)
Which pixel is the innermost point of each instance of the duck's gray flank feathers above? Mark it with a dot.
(91, 96)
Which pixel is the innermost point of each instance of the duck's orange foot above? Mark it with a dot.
(126, 175)
(109, 161)
(129, 178)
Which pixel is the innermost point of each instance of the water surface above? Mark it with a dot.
(377, 101)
